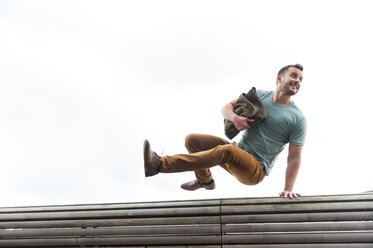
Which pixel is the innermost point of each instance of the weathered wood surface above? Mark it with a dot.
(315, 221)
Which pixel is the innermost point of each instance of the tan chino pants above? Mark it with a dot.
(206, 151)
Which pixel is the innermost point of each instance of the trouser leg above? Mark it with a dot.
(203, 142)
(208, 151)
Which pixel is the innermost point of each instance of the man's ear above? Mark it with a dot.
(278, 79)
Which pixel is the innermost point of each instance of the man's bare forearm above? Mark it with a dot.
(294, 161)
(228, 111)
(291, 174)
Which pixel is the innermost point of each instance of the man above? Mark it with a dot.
(254, 155)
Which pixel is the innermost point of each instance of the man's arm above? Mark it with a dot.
(294, 160)
(241, 123)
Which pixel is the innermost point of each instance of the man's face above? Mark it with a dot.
(289, 83)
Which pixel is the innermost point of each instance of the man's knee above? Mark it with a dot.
(229, 148)
(227, 151)
(189, 140)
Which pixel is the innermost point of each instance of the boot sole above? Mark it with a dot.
(193, 188)
(197, 188)
(146, 148)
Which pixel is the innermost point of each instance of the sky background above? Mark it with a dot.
(83, 83)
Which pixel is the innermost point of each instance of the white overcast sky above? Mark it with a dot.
(83, 83)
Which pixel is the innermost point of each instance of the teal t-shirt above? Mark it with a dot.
(284, 124)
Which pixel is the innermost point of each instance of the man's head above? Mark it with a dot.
(289, 79)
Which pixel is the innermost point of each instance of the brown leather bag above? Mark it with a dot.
(250, 106)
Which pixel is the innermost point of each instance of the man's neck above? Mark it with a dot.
(281, 99)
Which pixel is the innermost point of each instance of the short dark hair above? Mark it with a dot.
(285, 68)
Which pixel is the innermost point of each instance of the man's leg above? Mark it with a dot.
(202, 142)
(236, 161)
(244, 166)
(233, 159)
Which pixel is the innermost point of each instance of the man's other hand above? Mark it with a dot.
(289, 194)
(242, 123)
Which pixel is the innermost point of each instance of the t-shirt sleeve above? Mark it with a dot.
(298, 133)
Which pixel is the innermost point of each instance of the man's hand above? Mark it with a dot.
(242, 123)
(289, 194)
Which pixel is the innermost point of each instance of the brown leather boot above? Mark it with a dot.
(152, 162)
(195, 184)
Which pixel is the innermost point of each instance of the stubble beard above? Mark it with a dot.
(288, 92)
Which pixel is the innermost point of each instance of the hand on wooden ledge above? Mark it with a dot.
(289, 194)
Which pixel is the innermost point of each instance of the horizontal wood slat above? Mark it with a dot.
(286, 238)
(303, 245)
(156, 240)
(299, 217)
(298, 227)
(112, 206)
(135, 231)
(164, 212)
(298, 208)
(308, 199)
(315, 221)
(192, 220)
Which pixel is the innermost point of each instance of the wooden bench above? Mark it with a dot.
(314, 221)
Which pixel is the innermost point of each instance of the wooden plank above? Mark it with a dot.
(188, 246)
(177, 240)
(162, 212)
(270, 218)
(112, 222)
(150, 246)
(187, 203)
(298, 208)
(340, 245)
(303, 199)
(157, 240)
(164, 246)
(289, 238)
(144, 231)
(111, 206)
(183, 246)
(298, 227)
(298, 217)
(191, 211)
